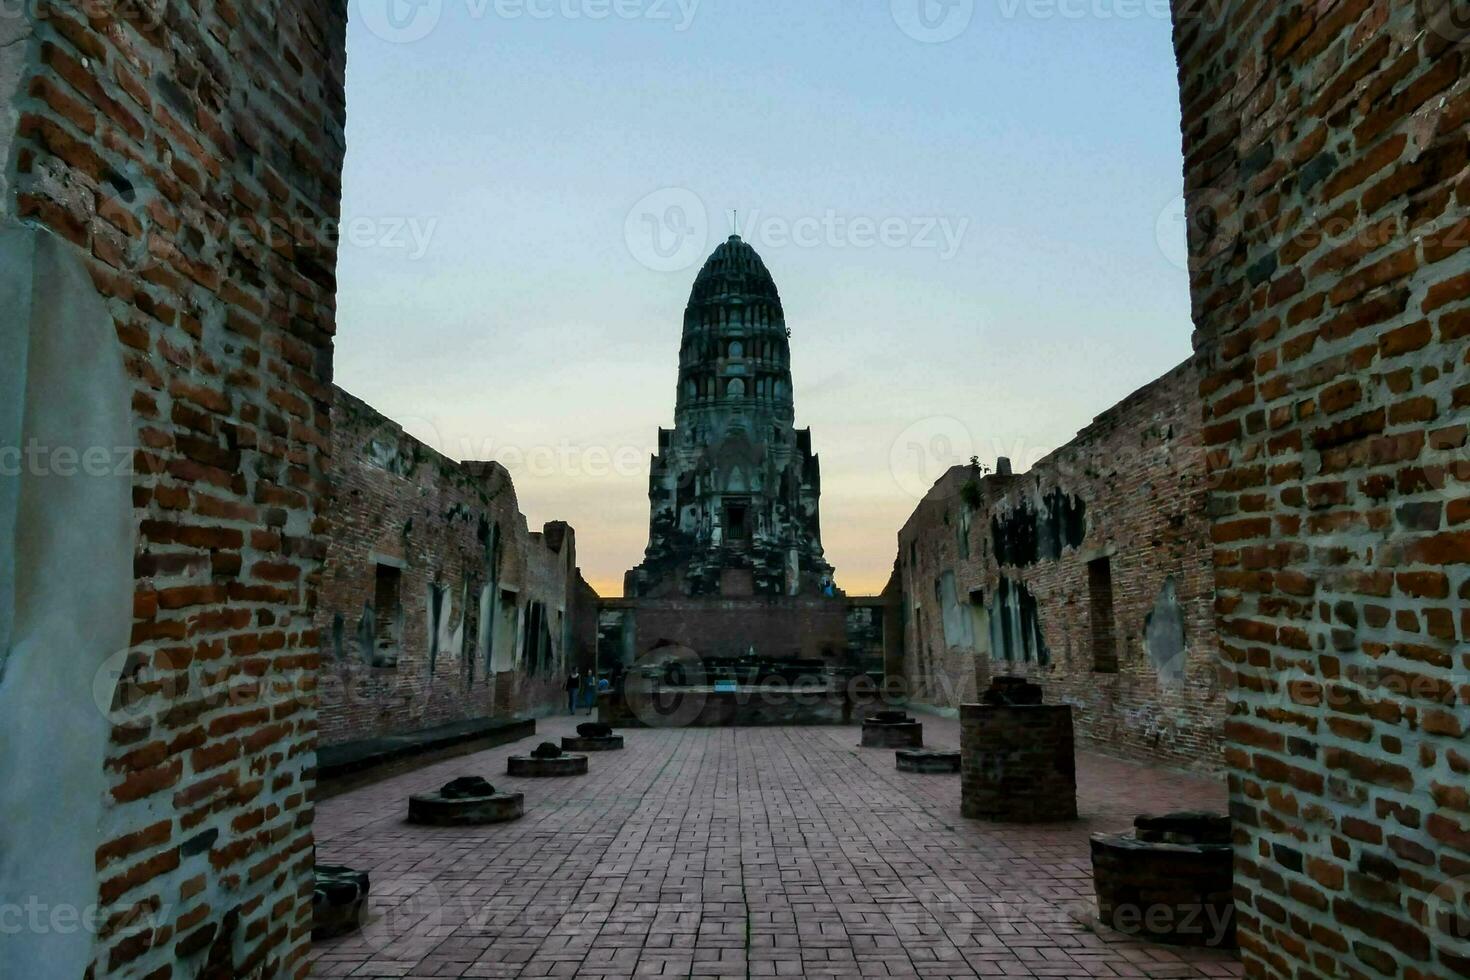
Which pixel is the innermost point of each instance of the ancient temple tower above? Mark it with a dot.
(735, 487)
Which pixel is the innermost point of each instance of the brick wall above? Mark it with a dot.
(1126, 496)
(812, 628)
(190, 154)
(1327, 186)
(585, 606)
(437, 603)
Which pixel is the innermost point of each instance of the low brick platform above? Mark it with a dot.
(1171, 880)
(1019, 763)
(457, 806)
(927, 761)
(531, 767)
(579, 743)
(883, 733)
(705, 707)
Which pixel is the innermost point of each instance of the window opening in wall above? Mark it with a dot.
(438, 611)
(1104, 634)
(387, 614)
(530, 638)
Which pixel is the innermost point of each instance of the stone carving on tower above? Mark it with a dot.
(735, 488)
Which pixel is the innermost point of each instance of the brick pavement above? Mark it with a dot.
(768, 852)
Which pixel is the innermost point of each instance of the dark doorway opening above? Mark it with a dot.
(1104, 634)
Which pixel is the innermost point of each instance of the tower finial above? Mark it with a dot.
(735, 223)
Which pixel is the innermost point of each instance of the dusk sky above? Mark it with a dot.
(972, 212)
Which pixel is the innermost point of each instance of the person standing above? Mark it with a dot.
(573, 683)
(589, 690)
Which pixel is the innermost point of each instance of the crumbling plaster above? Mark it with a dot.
(17, 53)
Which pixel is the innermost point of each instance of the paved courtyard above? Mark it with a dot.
(757, 852)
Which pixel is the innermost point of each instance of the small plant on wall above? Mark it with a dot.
(970, 492)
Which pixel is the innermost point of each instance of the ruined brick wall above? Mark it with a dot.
(426, 598)
(1327, 188)
(190, 154)
(584, 625)
(1014, 558)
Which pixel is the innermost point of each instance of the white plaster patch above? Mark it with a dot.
(68, 566)
(1163, 635)
(959, 624)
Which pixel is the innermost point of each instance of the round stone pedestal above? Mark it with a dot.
(927, 761)
(880, 733)
(336, 905)
(561, 765)
(577, 743)
(465, 803)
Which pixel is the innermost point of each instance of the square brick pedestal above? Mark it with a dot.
(1018, 763)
